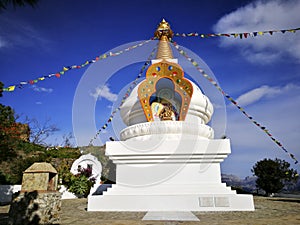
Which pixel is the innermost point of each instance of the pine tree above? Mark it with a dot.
(273, 175)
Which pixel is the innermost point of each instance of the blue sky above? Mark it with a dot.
(261, 72)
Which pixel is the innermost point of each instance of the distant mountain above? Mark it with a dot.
(248, 184)
(297, 188)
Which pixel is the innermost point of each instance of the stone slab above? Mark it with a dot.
(171, 216)
(206, 202)
(222, 202)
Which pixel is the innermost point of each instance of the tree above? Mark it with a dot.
(39, 132)
(7, 130)
(273, 175)
(7, 115)
(1, 88)
(67, 140)
(8, 133)
(5, 3)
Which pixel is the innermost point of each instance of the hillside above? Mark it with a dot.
(248, 184)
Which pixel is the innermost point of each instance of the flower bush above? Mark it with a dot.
(81, 183)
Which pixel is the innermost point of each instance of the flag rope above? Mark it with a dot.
(68, 68)
(235, 35)
(65, 69)
(131, 87)
(213, 82)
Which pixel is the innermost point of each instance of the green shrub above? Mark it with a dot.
(64, 153)
(79, 184)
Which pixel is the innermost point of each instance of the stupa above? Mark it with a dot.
(167, 158)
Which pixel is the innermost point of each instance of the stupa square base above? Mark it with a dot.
(181, 175)
(171, 202)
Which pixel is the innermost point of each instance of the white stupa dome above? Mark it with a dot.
(200, 108)
(199, 114)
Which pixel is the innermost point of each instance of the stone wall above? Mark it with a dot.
(35, 208)
(35, 181)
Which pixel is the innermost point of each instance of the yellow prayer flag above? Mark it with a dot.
(260, 33)
(11, 88)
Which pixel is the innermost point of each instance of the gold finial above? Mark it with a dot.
(163, 29)
(164, 34)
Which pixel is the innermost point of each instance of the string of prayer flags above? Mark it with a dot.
(213, 82)
(235, 35)
(68, 68)
(106, 55)
(126, 95)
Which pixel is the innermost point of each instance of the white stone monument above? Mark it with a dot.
(168, 159)
(84, 162)
(88, 161)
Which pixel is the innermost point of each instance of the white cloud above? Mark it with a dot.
(41, 89)
(2, 42)
(104, 92)
(264, 91)
(280, 117)
(263, 16)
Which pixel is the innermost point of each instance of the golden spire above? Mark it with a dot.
(164, 34)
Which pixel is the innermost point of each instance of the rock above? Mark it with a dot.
(35, 208)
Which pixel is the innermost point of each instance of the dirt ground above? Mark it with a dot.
(267, 211)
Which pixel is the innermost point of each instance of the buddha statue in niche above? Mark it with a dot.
(166, 113)
(163, 110)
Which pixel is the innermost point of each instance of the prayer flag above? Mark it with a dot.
(11, 88)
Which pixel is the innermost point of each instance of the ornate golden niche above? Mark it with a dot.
(148, 91)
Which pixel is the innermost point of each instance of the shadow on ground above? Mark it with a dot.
(3, 218)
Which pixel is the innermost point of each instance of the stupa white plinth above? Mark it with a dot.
(168, 162)
(178, 173)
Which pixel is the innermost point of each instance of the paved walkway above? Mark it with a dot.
(268, 211)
